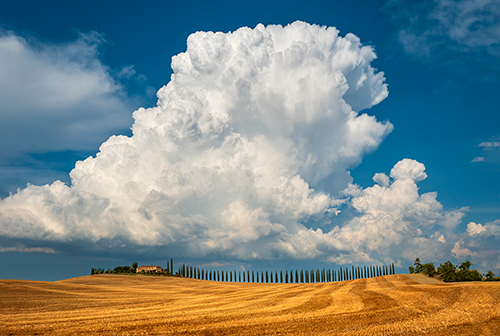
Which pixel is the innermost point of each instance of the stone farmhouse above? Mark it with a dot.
(149, 269)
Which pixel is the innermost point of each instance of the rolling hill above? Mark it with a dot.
(137, 305)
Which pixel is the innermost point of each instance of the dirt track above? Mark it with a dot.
(128, 305)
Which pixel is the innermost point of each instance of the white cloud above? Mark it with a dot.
(252, 137)
(462, 252)
(474, 23)
(473, 228)
(57, 97)
(490, 151)
(462, 25)
(409, 169)
(394, 219)
(489, 144)
(381, 179)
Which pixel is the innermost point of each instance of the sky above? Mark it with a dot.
(258, 135)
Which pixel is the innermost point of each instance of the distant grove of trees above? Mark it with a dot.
(451, 273)
(287, 276)
(116, 270)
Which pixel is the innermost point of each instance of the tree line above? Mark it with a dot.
(451, 273)
(116, 270)
(287, 276)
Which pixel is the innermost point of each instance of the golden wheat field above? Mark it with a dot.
(138, 305)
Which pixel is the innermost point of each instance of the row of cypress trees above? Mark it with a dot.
(292, 276)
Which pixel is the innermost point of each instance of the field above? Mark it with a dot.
(137, 305)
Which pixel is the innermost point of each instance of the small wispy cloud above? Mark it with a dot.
(462, 25)
(490, 144)
(490, 151)
(28, 249)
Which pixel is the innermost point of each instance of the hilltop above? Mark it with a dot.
(125, 305)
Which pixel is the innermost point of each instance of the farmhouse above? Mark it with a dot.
(149, 269)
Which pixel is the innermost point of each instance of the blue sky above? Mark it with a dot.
(73, 74)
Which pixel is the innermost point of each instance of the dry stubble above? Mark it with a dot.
(136, 305)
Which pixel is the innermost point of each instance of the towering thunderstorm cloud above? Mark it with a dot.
(251, 140)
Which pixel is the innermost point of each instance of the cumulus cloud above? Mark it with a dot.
(473, 228)
(393, 218)
(251, 141)
(57, 97)
(253, 135)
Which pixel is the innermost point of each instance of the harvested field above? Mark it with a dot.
(136, 305)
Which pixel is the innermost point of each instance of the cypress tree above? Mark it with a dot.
(253, 277)
(311, 276)
(393, 271)
(281, 276)
(172, 265)
(276, 277)
(286, 276)
(301, 276)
